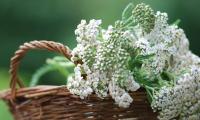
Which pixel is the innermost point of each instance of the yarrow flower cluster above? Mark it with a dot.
(181, 101)
(141, 50)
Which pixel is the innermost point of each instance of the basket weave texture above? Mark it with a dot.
(57, 103)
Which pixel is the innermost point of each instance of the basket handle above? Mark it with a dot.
(20, 53)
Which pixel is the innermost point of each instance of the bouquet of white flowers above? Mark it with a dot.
(140, 50)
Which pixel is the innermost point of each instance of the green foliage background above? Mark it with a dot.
(25, 20)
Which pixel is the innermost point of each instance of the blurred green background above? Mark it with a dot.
(25, 20)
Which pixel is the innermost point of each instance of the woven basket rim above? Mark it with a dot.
(42, 90)
(36, 91)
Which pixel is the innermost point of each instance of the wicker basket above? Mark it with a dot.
(56, 102)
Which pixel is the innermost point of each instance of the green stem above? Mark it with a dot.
(126, 23)
(38, 74)
(149, 94)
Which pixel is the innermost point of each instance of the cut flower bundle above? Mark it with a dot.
(142, 50)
